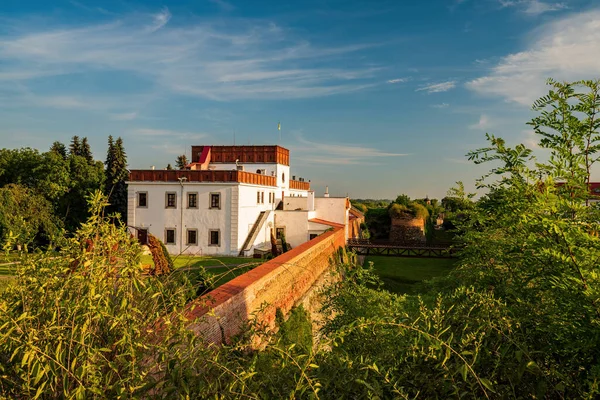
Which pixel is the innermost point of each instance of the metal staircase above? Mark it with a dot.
(260, 221)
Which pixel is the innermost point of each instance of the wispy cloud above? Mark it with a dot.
(483, 123)
(338, 154)
(533, 7)
(441, 105)
(398, 80)
(168, 134)
(219, 60)
(160, 19)
(438, 87)
(566, 49)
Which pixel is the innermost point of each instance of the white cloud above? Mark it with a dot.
(337, 154)
(438, 87)
(170, 135)
(398, 80)
(441, 105)
(160, 20)
(483, 123)
(566, 49)
(220, 59)
(529, 139)
(533, 7)
(346, 150)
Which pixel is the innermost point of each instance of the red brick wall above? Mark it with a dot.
(278, 283)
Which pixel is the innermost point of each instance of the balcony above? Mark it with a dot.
(142, 175)
(299, 185)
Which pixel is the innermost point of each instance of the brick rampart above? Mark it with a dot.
(279, 283)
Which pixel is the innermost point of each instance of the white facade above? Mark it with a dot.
(228, 217)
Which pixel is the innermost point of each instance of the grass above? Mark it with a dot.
(223, 268)
(194, 261)
(404, 275)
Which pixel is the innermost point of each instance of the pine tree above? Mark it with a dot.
(181, 162)
(86, 151)
(169, 167)
(75, 147)
(116, 175)
(60, 149)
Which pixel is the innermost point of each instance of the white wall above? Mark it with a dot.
(249, 211)
(156, 218)
(294, 203)
(295, 224)
(332, 209)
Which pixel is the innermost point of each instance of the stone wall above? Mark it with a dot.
(407, 229)
(282, 282)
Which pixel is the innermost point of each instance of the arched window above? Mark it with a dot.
(283, 177)
(258, 171)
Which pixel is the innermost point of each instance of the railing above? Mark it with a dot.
(142, 175)
(299, 185)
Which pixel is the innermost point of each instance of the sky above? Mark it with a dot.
(375, 98)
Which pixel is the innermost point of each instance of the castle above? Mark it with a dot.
(230, 200)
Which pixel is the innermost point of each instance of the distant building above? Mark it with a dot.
(228, 201)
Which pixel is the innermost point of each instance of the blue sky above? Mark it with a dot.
(375, 98)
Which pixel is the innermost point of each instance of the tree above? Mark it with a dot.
(181, 162)
(60, 149)
(25, 217)
(116, 175)
(86, 151)
(75, 147)
(169, 167)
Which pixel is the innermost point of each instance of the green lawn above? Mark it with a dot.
(403, 275)
(193, 261)
(223, 268)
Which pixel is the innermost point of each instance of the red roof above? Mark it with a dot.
(324, 222)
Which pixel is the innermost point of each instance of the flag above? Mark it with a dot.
(279, 126)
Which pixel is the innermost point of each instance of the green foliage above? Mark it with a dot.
(25, 215)
(378, 221)
(181, 161)
(403, 200)
(80, 324)
(296, 330)
(116, 176)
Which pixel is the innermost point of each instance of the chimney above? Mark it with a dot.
(326, 191)
(310, 201)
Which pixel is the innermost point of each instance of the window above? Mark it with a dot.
(142, 199)
(169, 236)
(257, 197)
(283, 177)
(214, 237)
(279, 232)
(313, 235)
(262, 197)
(171, 200)
(215, 200)
(192, 200)
(192, 236)
(259, 171)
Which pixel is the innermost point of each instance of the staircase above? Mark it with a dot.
(262, 217)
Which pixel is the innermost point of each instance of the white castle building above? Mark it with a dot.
(228, 201)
